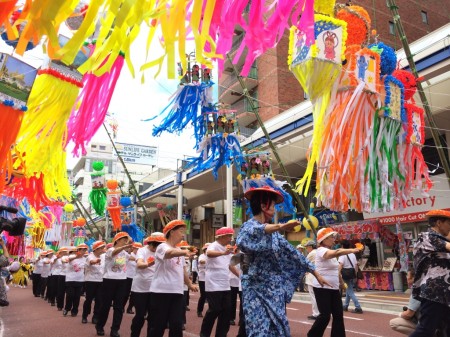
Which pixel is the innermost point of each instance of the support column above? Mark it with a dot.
(180, 197)
(229, 202)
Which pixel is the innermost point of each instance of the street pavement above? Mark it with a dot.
(33, 317)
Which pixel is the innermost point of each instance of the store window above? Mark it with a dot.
(424, 17)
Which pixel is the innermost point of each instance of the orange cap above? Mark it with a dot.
(172, 224)
(119, 236)
(324, 233)
(438, 213)
(137, 245)
(82, 246)
(98, 244)
(183, 244)
(155, 237)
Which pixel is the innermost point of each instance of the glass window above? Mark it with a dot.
(391, 28)
(102, 147)
(424, 17)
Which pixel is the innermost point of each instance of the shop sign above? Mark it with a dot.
(417, 205)
(137, 154)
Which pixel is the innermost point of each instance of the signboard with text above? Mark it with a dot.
(138, 154)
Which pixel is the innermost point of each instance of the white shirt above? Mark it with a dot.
(131, 266)
(115, 266)
(195, 265)
(169, 273)
(235, 281)
(75, 269)
(345, 261)
(38, 267)
(46, 265)
(202, 267)
(57, 267)
(217, 269)
(94, 272)
(52, 265)
(328, 268)
(311, 258)
(143, 278)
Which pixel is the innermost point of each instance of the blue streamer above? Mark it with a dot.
(136, 233)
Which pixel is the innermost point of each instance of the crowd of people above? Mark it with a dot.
(263, 269)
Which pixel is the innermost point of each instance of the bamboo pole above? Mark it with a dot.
(81, 208)
(273, 148)
(412, 65)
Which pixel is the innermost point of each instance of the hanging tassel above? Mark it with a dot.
(92, 106)
(113, 204)
(97, 197)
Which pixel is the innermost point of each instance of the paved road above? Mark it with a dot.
(32, 317)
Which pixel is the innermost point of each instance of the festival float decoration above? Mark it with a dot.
(317, 65)
(113, 203)
(44, 129)
(129, 221)
(97, 196)
(16, 80)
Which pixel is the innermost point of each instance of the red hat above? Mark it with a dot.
(438, 213)
(109, 245)
(82, 246)
(98, 244)
(324, 233)
(137, 245)
(172, 224)
(224, 231)
(249, 194)
(119, 236)
(155, 237)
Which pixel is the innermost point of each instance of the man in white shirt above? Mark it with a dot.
(217, 284)
(201, 279)
(310, 247)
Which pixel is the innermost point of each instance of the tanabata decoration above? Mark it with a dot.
(13, 28)
(113, 203)
(414, 133)
(44, 130)
(79, 231)
(97, 196)
(317, 66)
(165, 219)
(92, 105)
(256, 166)
(67, 225)
(128, 220)
(340, 180)
(16, 80)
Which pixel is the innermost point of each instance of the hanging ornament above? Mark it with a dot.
(79, 231)
(113, 203)
(97, 197)
(13, 30)
(16, 80)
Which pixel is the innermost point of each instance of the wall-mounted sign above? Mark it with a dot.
(218, 220)
(137, 154)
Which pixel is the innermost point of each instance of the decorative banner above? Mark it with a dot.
(403, 250)
(237, 212)
(113, 203)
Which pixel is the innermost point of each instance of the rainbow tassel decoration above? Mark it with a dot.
(97, 197)
(113, 204)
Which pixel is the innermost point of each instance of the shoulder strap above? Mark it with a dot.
(350, 262)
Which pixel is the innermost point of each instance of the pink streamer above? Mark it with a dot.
(93, 103)
(57, 211)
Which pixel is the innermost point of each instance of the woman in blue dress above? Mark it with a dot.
(271, 267)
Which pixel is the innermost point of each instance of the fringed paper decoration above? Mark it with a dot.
(92, 106)
(414, 131)
(13, 30)
(128, 221)
(97, 197)
(317, 67)
(16, 81)
(162, 214)
(113, 204)
(79, 231)
(44, 129)
(6, 10)
(67, 225)
(15, 244)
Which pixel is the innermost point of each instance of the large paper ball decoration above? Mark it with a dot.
(314, 221)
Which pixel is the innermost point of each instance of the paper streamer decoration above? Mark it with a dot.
(79, 231)
(317, 67)
(113, 203)
(97, 196)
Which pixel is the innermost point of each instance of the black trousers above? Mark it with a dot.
(241, 331)
(51, 288)
(432, 315)
(113, 292)
(142, 307)
(93, 292)
(234, 294)
(329, 303)
(73, 295)
(44, 281)
(194, 277)
(37, 284)
(201, 300)
(165, 308)
(219, 306)
(60, 290)
(129, 298)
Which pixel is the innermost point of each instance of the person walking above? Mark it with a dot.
(432, 282)
(310, 248)
(131, 272)
(37, 271)
(59, 271)
(20, 277)
(166, 289)
(201, 279)
(75, 280)
(217, 284)
(95, 266)
(271, 266)
(140, 289)
(46, 266)
(51, 282)
(194, 269)
(328, 297)
(114, 284)
(349, 263)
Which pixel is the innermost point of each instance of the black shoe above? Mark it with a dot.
(232, 322)
(357, 311)
(84, 320)
(199, 314)
(312, 317)
(114, 333)
(65, 312)
(100, 332)
(73, 314)
(130, 311)
(345, 308)
(4, 303)
(94, 320)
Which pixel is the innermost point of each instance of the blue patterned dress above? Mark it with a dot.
(274, 273)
